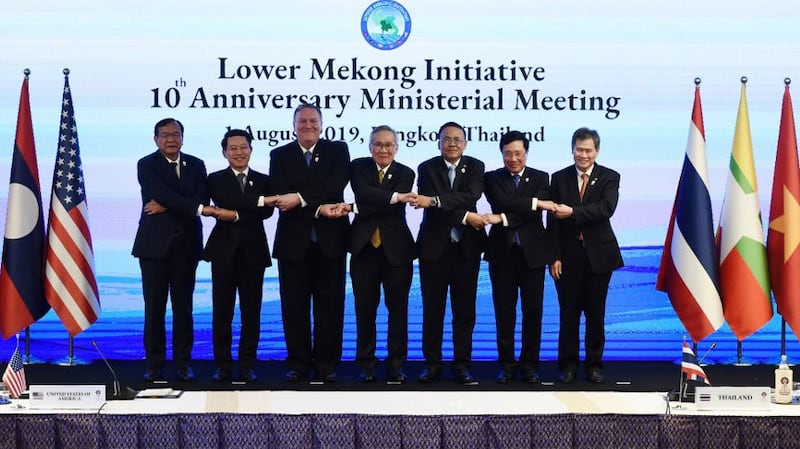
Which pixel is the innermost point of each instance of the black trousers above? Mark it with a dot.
(369, 271)
(227, 279)
(172, 276)
(580, 291)
(512, 279)
(460, 275)
(321, 278)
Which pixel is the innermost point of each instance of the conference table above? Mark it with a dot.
(407, 419)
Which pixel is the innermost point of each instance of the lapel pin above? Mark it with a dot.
(184, 163)
(389, 176)
(593, 181)
(464, 169)
(316, 158)
(526, 179)
(250, 183)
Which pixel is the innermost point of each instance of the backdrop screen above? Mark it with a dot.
(545, 68)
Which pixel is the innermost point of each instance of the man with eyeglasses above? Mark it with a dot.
(382, 250)
(450, 242)
(169, 244)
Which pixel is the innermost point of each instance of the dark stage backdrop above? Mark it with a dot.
(545, 68)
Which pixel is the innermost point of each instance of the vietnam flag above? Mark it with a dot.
(783, 236)
(744, 276)
(689, 267)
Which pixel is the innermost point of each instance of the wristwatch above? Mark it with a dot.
(435, 201)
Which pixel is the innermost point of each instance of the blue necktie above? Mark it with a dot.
(451, 175)
(307, 155)
(516, 180)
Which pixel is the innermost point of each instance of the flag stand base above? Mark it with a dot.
(72, 361)
(31, 360)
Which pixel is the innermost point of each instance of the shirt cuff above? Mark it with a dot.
(199, 210)
(505, 219)
(394, 199)
(534, 203)
(302, 201)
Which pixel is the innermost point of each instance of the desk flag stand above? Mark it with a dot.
(71, 360)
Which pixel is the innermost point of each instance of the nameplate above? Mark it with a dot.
(732, 398)
(55, 397)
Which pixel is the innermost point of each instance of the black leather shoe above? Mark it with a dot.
(153, 374)
(567, 376)
(329, 378)
(505, 376)
(295, 376)
(185, 374)
(595, 376)
(531, 376)
(220, 375)
(430, 375)
(463, 377)
(248, 375)
(395, 376)
(367, 375)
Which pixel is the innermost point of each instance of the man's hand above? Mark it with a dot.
(547, 205)
(555, 270)
(225, 214)
(476, 221)
(287, 201)
(270, 200)
(421, 202)
(562, 211)
(492, 218)
(406, 197)
(152, 208)
(335, 210)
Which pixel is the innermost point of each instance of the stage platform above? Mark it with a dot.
(620, 376)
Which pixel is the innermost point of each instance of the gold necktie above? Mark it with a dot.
(375, 240)
(584, 181)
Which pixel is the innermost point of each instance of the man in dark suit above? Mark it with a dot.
(518, 252)
(587, 253)
(169, 244)
(239, 253)
(382, 250)
(309, 175)
(450, 242)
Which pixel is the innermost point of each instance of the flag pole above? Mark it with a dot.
(71, 360)
(681, 387)
(17, 404)
(28, 359)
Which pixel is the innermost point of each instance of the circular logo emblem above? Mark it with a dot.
(385, 25)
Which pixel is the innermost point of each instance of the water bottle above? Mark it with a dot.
(783, 382)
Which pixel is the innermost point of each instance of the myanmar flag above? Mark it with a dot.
(744, 276)
(783, 236)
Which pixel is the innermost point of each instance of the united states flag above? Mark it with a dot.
(14, 376)
(70, 284)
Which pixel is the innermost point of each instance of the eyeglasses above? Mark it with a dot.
(383, 146)
(175, 135)
(455, 140)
